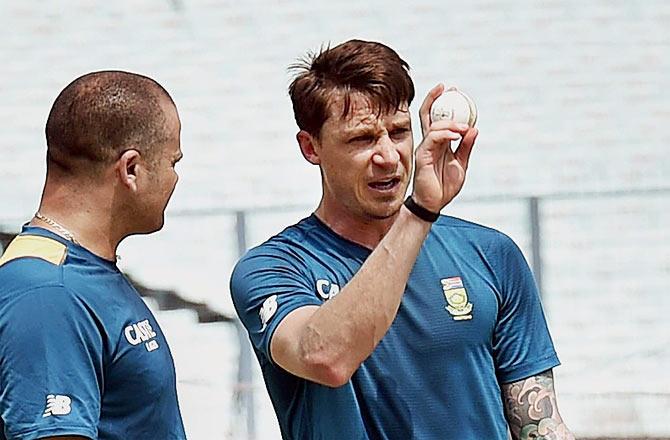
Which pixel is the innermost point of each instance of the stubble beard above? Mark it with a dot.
(388, 209)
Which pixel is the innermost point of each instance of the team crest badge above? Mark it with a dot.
(457, 298)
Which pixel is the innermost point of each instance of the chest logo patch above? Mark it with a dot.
(457, 298)
(326, 289)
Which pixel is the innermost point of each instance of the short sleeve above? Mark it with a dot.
(50, 366)
(265, 287)
(522, 344)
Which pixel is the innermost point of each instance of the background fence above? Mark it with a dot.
(603, 260)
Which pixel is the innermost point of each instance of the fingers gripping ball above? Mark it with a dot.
(455, 105)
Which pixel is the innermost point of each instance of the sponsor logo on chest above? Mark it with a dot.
(326, 289)
(458, 304)
(141, 332)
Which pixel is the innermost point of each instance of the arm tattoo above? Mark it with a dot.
(531, 410)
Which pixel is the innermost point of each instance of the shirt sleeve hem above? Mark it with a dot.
(278, 319)
(38, 433)
(528, 369)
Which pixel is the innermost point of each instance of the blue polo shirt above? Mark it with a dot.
(80, 352)
(470, 320)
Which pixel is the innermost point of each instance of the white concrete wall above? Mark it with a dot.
(573, 97)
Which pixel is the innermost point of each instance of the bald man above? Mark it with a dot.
(81, 355)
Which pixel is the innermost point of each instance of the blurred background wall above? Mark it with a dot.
(574, 119)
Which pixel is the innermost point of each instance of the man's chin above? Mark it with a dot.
(385, 212)
(158, 226)
(150, 229)
(382, 216)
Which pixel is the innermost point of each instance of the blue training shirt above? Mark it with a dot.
(470, 320)
(80, 352)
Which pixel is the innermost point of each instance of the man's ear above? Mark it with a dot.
(308, 147)
(127, 168)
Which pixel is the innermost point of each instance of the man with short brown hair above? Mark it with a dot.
(376, 318)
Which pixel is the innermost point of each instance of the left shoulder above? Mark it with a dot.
(454, 227)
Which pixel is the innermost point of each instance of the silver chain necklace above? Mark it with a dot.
(64, 232)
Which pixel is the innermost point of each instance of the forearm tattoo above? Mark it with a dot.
(531, 410)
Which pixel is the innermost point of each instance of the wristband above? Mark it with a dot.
(420, 211)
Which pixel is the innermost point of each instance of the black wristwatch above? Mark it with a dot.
(420, 211)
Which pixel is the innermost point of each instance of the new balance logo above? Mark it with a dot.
(268, 310)
(57, 405)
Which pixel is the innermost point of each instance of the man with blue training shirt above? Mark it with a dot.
(81, 355)
(376, 318)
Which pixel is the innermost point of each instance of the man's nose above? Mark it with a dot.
(386, 154)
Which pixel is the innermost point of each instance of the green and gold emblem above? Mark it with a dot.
(457, 298)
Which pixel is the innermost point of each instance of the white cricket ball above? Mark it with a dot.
(455, 105)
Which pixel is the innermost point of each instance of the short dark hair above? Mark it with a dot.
(101, 114)
(370, 68)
